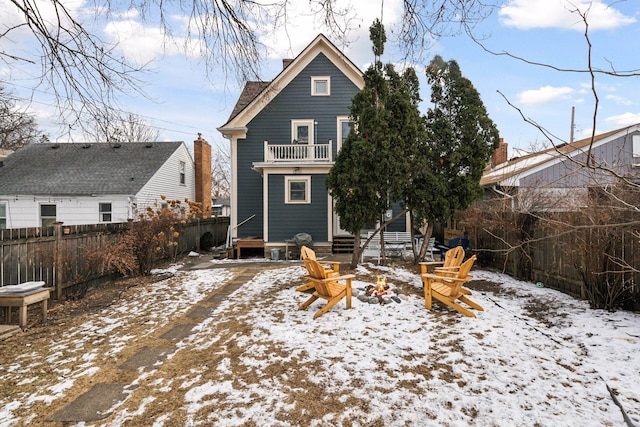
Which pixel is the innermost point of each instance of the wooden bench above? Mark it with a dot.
(22, 296)
(395, 243)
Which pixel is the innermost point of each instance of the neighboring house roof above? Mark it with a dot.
(81, 169)
(510, 172)
(256, 95)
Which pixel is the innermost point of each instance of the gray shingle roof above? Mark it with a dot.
(81, 169)
(249, 92)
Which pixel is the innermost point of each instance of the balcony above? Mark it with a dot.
(297, 153)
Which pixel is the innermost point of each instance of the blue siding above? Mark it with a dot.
(273, 124)
(286, 220)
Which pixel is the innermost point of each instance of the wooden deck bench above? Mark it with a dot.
(22, 296)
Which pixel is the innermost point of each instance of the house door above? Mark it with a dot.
(337, 229)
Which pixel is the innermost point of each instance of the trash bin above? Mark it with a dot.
(275, 254)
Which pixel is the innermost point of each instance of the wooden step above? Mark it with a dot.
(343, 244)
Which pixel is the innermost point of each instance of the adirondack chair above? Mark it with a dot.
(452, 259)
(327, 287)
(333, 269)
(448, 290)
(451, 270)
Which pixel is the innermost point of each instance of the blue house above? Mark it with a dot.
(285, 135)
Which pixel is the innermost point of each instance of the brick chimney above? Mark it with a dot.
(202, 158)
(500, 155)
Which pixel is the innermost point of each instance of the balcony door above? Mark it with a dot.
(302, 131)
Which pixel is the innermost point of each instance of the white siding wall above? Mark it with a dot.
(166, 181)
(24, 211)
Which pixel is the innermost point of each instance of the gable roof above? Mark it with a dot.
(510, 172)
(82, 169)
(256, 95)
(249, 92)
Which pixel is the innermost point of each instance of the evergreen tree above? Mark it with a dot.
(371, 169)
(461, 139)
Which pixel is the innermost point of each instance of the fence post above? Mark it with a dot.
(58, 260)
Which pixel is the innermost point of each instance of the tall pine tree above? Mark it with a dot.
(371, 169)
(461, 139)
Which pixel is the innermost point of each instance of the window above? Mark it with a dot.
(182, 167)
(636, 145)
(3, 215)
(321, 86)
(298, 189)
(345, 126)
(47, 215)
(105, 212)
(302, 131)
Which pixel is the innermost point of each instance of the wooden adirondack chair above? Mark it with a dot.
(451, 269)
(452, 259)
(332, 270)
(449, 290)
(327, 287)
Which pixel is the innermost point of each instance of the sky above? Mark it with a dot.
(184, 100)
(534, 356)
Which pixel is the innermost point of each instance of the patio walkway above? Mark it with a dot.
(100, 400)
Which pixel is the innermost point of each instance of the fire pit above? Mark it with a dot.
(380, 293)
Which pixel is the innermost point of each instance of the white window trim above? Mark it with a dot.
(320, 79)
(305, 122)
(636, 145)
(100, 213)
(55, 218)
(287, 188)
(339, 121)
(5, 213)
(182, 173)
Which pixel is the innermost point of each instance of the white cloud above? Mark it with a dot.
(544, 95)
(625, 119)
(306, 26)
(619, 99)
(143, 44)
(527, 14)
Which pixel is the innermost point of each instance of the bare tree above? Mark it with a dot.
(221, 172)
(113, 126)
(84, 72)
(17, 127)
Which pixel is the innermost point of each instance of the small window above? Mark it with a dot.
(3, 215)
(320, 86)
(298, 189)
(47, 215)
(183, 179)
(105, 212)
(636, 145)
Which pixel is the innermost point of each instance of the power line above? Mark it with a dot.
(196, 129)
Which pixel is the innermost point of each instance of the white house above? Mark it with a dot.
(90, 183)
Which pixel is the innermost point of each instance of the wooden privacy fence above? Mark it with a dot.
(57, 255)
(530, 248)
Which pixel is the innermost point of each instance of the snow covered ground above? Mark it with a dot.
(533, 357)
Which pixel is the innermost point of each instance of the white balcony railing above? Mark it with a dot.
(297, 152)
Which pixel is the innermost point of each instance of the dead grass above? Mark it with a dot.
(308, 399)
